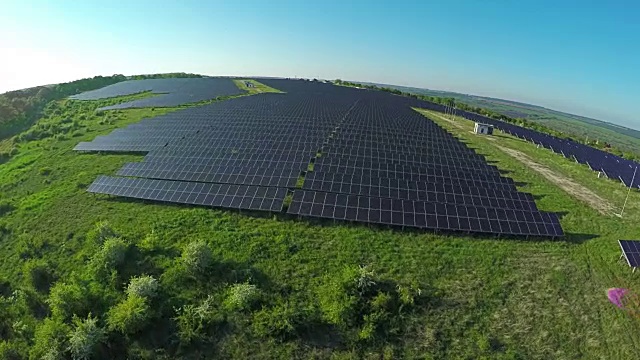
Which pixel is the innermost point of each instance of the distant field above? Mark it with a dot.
(479, 296)
(581, 128)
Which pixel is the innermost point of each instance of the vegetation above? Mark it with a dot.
(107, 278)
(567, 128)
(164, 76)
(257, 87)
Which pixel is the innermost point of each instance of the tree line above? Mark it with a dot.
(20, 109)
(494, 115)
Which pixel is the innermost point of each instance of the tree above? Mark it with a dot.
(130, 315)
(85, 338)
(144, 286)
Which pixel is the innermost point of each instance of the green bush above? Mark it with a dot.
(197, 256)
(49, 340)
(101, 232)
(144, 286)
(10, 350)
(110, 256)
(363, 306)
(38, 275)
(67, 299)
(85, 338)
(6, 207)
(282, 320)
(241, 296)
(151, 242)
(129, 316)
(45, 171)
(194, 320)
(338, 297)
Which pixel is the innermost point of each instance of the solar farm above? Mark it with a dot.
(340, 153)
(279, 218)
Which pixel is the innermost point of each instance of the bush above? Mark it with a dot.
(85, 337)
(283, 320)
(6, 207)
(45, 171)
(144, 286)
(49, 339)
(151, 242)
(101, 232)
(10, 350)
(38, 275)
(129, 316)
(193, 320)
(241, 296)
(110, 256)
(363, 306)
(338, 297)
(66, 300)
(197, 256)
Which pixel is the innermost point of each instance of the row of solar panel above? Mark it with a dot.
(244, 179)
(508, 192)
(416, 168)
(429, 173)
(422, 195)
(216, 195)
(423, 214)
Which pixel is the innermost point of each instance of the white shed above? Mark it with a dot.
(483, 129)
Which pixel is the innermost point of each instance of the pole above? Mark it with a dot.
(628, 192)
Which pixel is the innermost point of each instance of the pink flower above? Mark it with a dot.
(616, 295)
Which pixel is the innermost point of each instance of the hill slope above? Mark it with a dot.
(584, 128)
(232, 284)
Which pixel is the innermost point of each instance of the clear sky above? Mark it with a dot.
(579, 56)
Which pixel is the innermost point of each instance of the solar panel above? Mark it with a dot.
(631, 252)
(358, 159)
(215, 195)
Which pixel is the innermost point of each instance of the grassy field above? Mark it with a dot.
(257, 88)
(269, 286)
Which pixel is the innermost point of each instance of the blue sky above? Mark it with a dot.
(576, 56)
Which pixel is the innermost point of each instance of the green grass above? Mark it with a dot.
(257, 88)
(481, 297)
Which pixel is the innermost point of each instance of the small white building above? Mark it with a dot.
(483, 129)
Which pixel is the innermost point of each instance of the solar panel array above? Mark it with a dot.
(373, 160)
(631, 251)
(613, 166)
(172, 92)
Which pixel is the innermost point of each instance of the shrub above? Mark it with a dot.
(45, 171)
(85, 337)
(151, 242)
(365, 279)
(362, 305)
(193, 320)
(338, 297)
(110, 256)
(38, 275)
(49, 339)
(66, 300)
(6, 207)
(129, 316)
(144, 286)
(197, 256)
(10, 350)
(241, 296)
(282, 320)
(101, 231)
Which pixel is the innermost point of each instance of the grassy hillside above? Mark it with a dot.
(579, 127)
(229, 284)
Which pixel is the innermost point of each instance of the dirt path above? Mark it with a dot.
(453, 122)
(578, 191)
